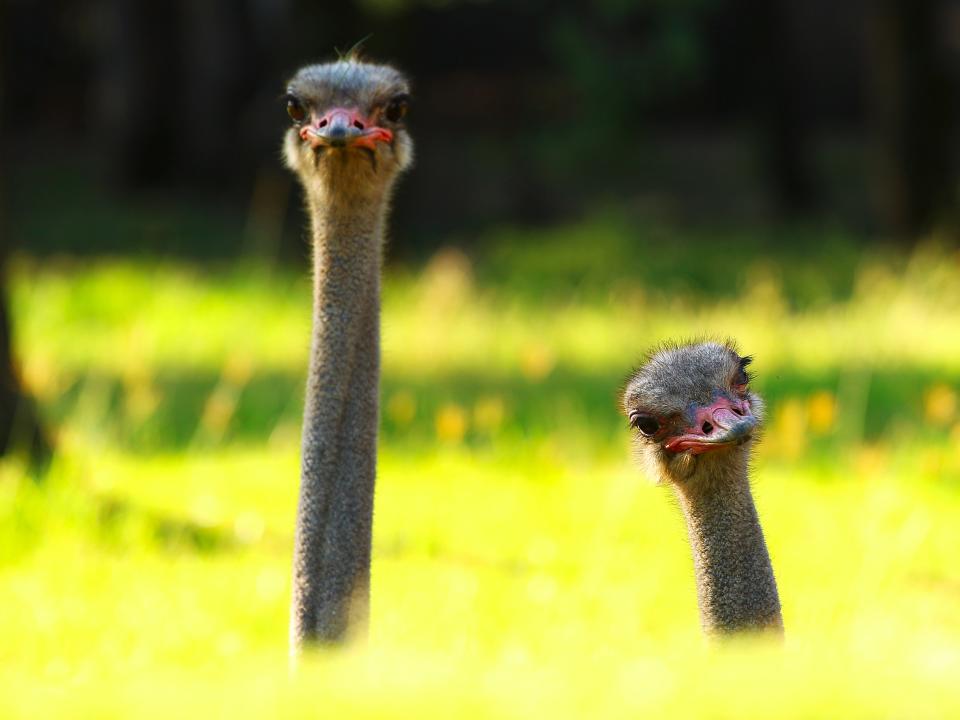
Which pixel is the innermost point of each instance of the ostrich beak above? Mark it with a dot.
(342, 128)
(723, 423)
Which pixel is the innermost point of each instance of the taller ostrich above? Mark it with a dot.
(347, 145)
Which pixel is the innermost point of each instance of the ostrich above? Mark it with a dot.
(696, 419)
(347, 144)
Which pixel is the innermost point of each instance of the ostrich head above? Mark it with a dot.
(694, 414)
(347, 131)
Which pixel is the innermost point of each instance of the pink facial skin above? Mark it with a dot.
(723, 423)
(342, 127)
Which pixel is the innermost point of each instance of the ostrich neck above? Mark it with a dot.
(334, 517)
(735, 585)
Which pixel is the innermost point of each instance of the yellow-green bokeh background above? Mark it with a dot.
(523, 567)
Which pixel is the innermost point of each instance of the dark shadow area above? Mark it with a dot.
(524, 113)
(117, 518)
(119, 525)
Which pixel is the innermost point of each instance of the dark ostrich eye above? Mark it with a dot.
(742, 377)
(646, 424)
(295, 109)
(396, 108)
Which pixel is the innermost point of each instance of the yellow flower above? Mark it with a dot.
(40, 376)
(790, 428)
(870, 461)
(537, 361)
(822, 411)
(451, 423)
(940, 404)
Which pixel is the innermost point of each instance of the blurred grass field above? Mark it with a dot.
(522, 566)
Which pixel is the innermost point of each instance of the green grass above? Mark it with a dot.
(522, 565)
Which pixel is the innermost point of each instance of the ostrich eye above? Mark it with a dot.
(741, 378)
(396, 108)
(646, 424)
(295, 109)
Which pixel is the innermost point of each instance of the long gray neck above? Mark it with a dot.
(735, 584)
(331, 569)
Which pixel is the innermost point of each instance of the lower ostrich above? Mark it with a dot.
(696, 419)
(348, 145)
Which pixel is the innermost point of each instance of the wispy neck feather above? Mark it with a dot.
(735, 583)
(334, 519)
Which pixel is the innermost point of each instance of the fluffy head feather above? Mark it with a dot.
(670, 393)
(366, 89)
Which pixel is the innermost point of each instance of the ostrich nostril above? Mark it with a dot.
(737, 411)
(707, 428)
(358, 125)
(323, 123)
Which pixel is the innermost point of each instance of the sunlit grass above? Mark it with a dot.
(522, 566)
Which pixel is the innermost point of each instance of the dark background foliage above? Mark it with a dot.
(525, 112)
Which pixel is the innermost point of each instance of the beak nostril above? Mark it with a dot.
(323, 123)
(707, 428)
(358, 125)
(737, 411)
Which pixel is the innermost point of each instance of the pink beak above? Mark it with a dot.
(343, 128)
(723, 423)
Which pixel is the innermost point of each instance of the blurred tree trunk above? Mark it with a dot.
(174, 86)
(20, 426)
(786, 117)
(137, 90)
(915, 112)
